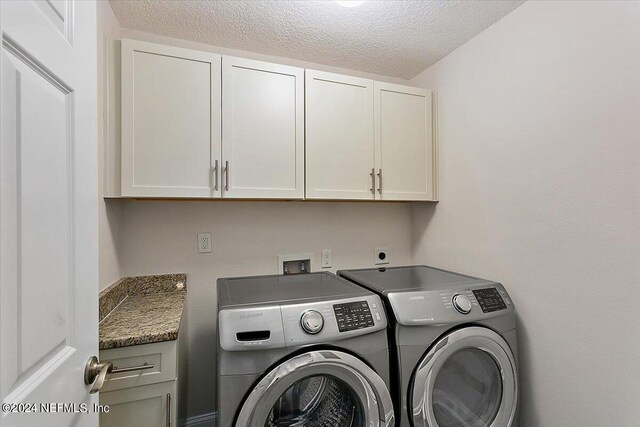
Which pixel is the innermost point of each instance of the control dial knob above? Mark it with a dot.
(312, 322)
(462, 303)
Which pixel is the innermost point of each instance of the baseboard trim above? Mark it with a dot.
(204, 420)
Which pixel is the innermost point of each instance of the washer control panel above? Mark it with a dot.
(353, 315)
(489, 300)
(290, 325)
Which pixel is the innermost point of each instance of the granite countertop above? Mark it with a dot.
(141, 310)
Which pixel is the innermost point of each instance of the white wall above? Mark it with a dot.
(540, 189)
(160, 237)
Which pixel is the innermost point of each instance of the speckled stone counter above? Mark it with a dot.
(141, 310)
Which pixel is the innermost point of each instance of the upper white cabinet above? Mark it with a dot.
(404, 141)
(200, 125)
(340, 137)
(170, 121)
(262, 130)
(368, 140)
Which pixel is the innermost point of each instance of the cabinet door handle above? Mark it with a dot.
(226, 175)
(142, 367)
(215, 176)
(380, 181)
(373, 181)
(168, 410)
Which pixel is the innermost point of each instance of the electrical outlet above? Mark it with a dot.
(381, 256)
(326, 258)
(204, 243)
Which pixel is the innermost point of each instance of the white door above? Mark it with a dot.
(262, 130)
(340, 143)
(404, 143)
(48, 209)
(170, 121)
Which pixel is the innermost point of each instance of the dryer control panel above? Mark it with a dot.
(489, 300)
(438, 307)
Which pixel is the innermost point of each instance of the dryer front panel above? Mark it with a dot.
(467, 379)
(317, 389)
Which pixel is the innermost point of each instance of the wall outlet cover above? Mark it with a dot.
(326, 258)
(381, 256)
(204, 243)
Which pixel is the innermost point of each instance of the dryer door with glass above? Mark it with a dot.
(318, 388)
(467, 379)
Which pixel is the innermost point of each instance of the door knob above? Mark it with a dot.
(95, 373)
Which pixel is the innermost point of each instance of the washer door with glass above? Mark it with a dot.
(322, 388)
(468, 379)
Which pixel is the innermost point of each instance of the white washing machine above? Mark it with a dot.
(302, 350)
(455, 359)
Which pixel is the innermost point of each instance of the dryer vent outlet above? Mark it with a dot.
(381, 256)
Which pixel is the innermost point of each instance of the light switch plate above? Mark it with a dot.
(204, 243)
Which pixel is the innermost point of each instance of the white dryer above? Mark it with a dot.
(455, 359)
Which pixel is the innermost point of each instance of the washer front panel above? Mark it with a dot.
(421, 400)
(278, 326)
(369, 389)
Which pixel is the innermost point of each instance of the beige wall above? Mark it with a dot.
(540, 189)
(160, 237)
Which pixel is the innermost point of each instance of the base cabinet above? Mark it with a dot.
(153, 405)
(147, 391)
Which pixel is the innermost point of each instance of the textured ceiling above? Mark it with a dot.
(392, 38)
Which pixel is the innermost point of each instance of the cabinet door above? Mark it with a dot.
(404, 143)
(170, 121)
(339, 143)
(161, 356)
(262, 130)
(147, 406)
